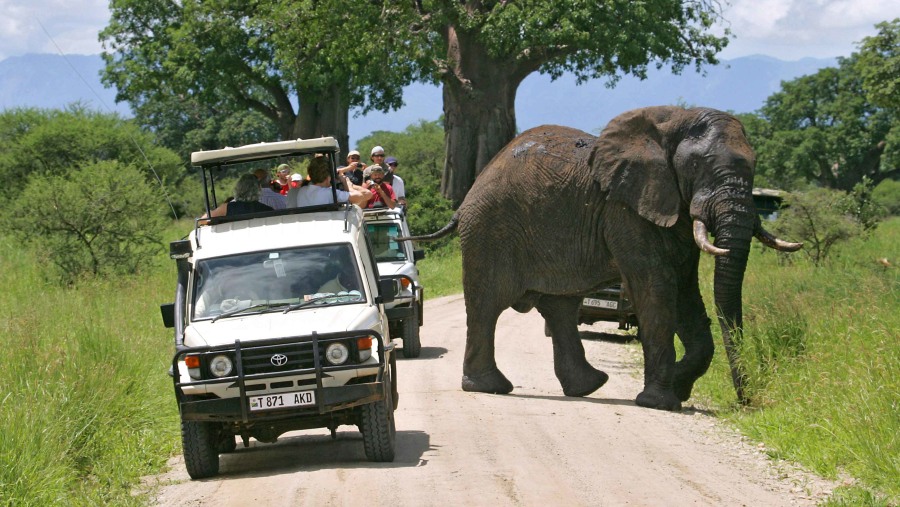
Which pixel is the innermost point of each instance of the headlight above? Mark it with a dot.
(221, 366)
(337, 353)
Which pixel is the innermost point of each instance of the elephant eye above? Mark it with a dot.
(697, 130)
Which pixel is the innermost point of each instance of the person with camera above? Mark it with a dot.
(353, 170)
(382, 193)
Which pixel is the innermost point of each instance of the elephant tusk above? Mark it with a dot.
(700, 237)
(771, 241)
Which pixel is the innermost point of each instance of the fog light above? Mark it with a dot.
(221, 366)
(337, 353)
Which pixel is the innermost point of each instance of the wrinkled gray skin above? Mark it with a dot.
(558, 214)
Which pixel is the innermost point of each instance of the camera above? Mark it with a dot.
(359, 164)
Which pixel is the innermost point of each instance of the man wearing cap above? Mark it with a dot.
(354, 168)
(382, 193)
(283, 176)
(394, 180)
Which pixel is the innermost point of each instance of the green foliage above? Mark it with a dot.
(231, 58)
(419, 150)
(887, 195)
(86, 407)
(879, 65)
(835, 127)
(102, 219)
(820, 218)
(46, 145)
(823, 361)
(185, 125)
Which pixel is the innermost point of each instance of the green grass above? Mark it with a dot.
(821, 348)
(86, 406)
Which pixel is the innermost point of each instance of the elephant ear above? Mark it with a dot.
(630, 162)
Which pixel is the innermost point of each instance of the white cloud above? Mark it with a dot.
(73, 26)
(786, 29)
(793, 29)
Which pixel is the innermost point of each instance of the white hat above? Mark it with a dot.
(354, 152)
(378, 150)
(296, 177)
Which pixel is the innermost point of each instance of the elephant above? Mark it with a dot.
(559, 213)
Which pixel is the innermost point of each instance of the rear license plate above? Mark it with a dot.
(601, 303)
(282, 400)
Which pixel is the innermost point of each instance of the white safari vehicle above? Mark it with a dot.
(279, 320)
(398, 258)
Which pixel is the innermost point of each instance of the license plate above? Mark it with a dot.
(282, 400)
(601, 303)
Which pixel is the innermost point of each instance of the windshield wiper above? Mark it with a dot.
(308, 302)
(251, 307)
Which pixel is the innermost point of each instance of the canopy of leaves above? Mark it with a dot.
(266, 56)
(45, 146)
(832, 128)
(879, 65)
(101, 219)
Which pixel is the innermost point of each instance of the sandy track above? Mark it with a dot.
(532, 447)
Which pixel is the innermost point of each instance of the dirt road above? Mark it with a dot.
(532, 447)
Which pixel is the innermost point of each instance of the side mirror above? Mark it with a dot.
(168, 314)
(386, 288)
(418, 255)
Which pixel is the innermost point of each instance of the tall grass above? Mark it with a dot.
(86, 406)
(821, 348)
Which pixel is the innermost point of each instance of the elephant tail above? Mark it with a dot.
(443, 231)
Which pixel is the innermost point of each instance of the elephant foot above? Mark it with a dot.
(585, 384)
(660, 400)
(683, 389)
(491, 381)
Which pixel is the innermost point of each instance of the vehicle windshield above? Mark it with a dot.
(386, 249)
(270, 281)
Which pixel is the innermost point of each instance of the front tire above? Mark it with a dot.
(377, 425)
(200, 441)
(412, 344)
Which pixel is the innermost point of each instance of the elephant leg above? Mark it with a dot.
(576, 376)
(655, 302)
(480, 372)
(693, 328)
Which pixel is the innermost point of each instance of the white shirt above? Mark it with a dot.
(398, 187)
(314, 195)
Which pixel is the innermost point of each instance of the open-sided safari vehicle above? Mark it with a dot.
(279, 319)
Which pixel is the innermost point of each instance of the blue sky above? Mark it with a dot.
(784, 29)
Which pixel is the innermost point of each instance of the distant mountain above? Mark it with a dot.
(740, 85)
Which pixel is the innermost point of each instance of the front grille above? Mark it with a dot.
(257, 360)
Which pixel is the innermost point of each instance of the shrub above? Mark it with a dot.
(887, 194)
(103, 219)
(820, 218)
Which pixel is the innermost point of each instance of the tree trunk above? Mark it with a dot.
(323, 114)
(479, 110)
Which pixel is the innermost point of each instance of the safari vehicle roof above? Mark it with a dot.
(277, 232)
(262, 151)
(373, 214)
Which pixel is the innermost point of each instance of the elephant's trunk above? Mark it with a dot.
(734, 229)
